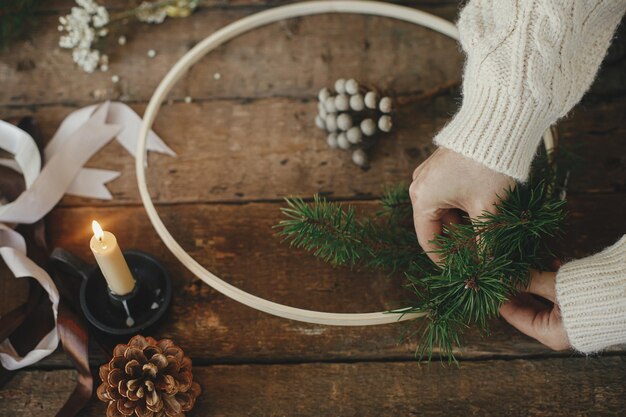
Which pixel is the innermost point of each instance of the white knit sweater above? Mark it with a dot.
(528, 62)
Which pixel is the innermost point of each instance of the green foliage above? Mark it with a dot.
(14, 15)
(487, 260)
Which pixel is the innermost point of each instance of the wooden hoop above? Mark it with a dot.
(223, 35)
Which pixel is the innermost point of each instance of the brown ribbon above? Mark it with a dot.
(28, 323)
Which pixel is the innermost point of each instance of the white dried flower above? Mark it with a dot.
(342, 103)
(188, 99)
(368, 127)
(115, 79)
(323, 95)
(319, 122)
(354, 135)
(331, 140)
(371, 100)
(384, 123)
(121, 40)
(352, 87)
(86, 59)
(385, 105)
(80, 32)
(101, 17)
(356, 102)
(151, 53)
(329, 104)
(344, 121)
(322, 112)
(342, 141)
(151, 13)
(331, 122)
(340, 86)
(359, 157)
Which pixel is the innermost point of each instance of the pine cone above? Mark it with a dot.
(148, 378)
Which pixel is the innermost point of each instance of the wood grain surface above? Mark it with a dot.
(246, 140)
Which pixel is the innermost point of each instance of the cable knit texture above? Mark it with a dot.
(592, 295)
(528, 62)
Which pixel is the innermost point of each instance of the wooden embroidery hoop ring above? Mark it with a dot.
(223, 35)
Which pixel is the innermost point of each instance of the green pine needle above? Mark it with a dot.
(486, 260)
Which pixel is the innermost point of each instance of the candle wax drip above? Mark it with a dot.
(130, 322)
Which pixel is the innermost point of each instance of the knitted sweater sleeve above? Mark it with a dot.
(591, 294)
(528, 62)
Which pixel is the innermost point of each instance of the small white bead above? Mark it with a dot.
(342, 141)
(121, 40)
(151, 53)
(354, 135)
(188, 99)
(323, 112)
(342, 103)
(331, 123)
(60, 28)
(385, 105)
(217, 76)
(115, 79)
(352, 87)
(384, 123)
(368, 127)
(323, 94)
(356, 102)
(329, 104)
(340, 86)
(104, 67)
(371, 99)
(319, 122)
(331, 140)
(359, 157)
(344, 121)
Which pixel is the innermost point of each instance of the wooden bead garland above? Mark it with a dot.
(354, 117)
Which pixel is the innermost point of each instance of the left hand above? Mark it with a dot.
(535, 319)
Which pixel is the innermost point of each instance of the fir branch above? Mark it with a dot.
(486, 260)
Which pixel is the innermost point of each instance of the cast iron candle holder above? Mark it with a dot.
(120, 315)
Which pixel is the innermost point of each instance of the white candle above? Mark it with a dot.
(111, 261)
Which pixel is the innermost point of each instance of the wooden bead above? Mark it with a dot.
(342, 141)
(356, 102)
(331, 123)
(385, 105)
(331, 140)
(340, 86)
(384, 123)
(319, 122)
(368, 127)
(329, 104)
(342, 102)
(323, 94)
(352, 87)
(354, 135)
(344, 121)
(359, 157)
(371, 100)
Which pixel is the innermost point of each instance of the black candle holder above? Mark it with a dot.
(120, 315)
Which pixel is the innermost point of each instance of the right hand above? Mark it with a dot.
(446, 183)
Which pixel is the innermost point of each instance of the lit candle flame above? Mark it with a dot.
(97, 230)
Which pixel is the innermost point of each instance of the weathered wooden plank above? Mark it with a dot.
(237, 242)
(265, 149)
(554, 387)
(296, 57)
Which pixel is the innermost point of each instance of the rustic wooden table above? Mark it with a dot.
(246, 140)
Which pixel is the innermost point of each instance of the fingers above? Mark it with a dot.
(536, 320)
(427, 229)
(543, 284)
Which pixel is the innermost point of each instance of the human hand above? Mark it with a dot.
(446, 183)
(534, 318)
